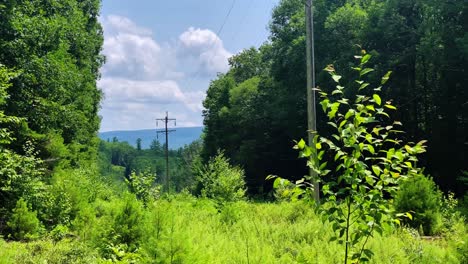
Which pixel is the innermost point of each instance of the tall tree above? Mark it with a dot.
(258, 108)
(56, 46)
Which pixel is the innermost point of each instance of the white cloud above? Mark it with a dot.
(207, 47)
(141, 78)
(132, 52)
(119, 24)
(160, 92)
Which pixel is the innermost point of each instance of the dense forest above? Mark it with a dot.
(257, 109)
(238, 195)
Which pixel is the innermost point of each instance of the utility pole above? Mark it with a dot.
(166, 131)
(311, 115)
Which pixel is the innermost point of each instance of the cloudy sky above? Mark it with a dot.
(161, 55)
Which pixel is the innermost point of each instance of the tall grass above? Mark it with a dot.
(185, 229)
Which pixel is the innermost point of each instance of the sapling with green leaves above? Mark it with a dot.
(370, 162)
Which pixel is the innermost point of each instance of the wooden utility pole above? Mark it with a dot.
(166, 132)
(311, 115)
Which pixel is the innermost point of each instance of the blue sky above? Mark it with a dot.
(161, 55)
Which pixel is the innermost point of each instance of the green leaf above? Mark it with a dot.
(301, 144)
(365, 59)
(318, 145)
(349, 113)
(280, 182)
(364, 85)
(389, 106)
(409, 149)
(371, 149)
(336, 78)
(334, 108)
(386, 77)
(377, 99)
(324, 104)
(376, 170)
(366, 71)
(370, 180)
(409, 216)
(370, 107)
(337, 92)
(306, 152)
(342, 123)
(338, 155)
(323, 165)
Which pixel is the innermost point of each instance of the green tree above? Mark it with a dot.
(401, 36)
(221, 181)
(23, 223)
(20, 175)
(56, 45)
(138, 144)
(370, 161)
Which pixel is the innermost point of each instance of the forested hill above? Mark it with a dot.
(181, 137)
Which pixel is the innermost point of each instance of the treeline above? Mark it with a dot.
(55, 47)
(49, 63)
(257, 109)
(121, 159)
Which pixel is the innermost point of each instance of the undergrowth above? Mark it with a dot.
(185, 229)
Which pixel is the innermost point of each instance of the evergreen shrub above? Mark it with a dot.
(420, 196)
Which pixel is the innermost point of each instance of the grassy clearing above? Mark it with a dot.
(184, 229)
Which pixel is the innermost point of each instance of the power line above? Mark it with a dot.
(242, 21)
(211, 55)
(226, 18)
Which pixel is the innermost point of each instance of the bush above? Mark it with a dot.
(419, 196)
(221, 181)
(23, 223)
(128, 223)
(143, 185)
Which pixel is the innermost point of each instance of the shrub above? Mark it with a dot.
(221, 181)
(419, 195)
(128, 225)
(23, 223)
(143, 185)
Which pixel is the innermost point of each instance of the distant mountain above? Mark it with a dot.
(182, 136)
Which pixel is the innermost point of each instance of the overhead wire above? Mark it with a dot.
(226, 18)
(242, 21)
(197, 72)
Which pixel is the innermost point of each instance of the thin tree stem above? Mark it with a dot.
(347, 231)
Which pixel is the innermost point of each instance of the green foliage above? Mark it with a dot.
(56, 46)
(47, 251)
(256, 132)
(221, 181)
(190, 230)
(20, 176)
(285, 190)
(119, 159)
(23, 223)
(143, 185)
(371, 162)
(420, 196)
(127, 228)
(5, 82)
(59, 232)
